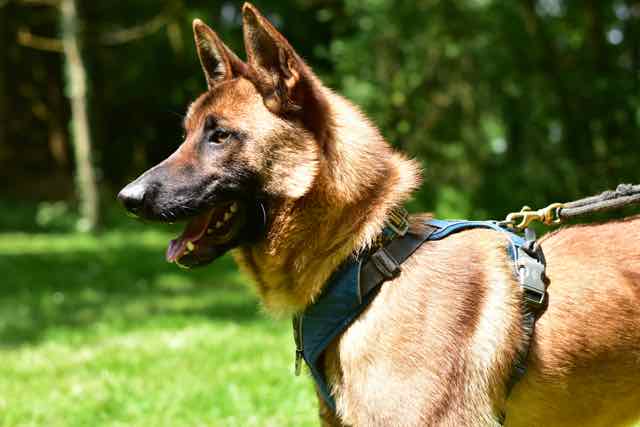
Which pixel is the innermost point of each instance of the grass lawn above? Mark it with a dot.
(101, 331)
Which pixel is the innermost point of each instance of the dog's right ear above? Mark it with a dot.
(280, 70)
(286, 83)
(218, 62)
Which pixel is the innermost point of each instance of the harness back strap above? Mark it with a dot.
(384, 264)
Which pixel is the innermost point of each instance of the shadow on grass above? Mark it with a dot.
(123, 285)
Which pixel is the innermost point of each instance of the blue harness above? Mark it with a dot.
(341, 302)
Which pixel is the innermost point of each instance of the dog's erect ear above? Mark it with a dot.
(218, 61)
(279, 67)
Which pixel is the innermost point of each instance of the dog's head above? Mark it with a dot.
(254, 137)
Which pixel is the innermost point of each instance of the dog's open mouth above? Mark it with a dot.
(208, 235)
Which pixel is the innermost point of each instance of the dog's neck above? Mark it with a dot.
(359, 181)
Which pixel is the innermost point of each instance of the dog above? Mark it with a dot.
(293, 179)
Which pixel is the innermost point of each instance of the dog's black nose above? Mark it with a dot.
(132, 197)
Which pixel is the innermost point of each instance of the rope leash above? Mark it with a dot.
(624, 195)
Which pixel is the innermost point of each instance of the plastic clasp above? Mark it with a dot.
(531, 278)
(398, 221)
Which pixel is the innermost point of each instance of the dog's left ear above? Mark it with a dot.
(280, 70)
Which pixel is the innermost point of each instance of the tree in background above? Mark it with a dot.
(505, 103)
(76, 84)
(76, 89)
(81, 135)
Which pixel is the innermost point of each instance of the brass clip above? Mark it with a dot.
(521, 220)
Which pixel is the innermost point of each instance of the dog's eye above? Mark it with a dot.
(218, 136)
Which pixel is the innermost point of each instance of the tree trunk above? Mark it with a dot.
(3, 92)
(57, 137)
(80, 132)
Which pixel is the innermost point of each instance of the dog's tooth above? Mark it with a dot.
(218, 224)
(190, 246)
(234, 207)
(227, 216)
(184, 267)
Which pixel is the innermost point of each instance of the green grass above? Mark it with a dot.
(101, 331)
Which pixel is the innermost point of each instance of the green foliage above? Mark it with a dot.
(505, 103)
(55, 216)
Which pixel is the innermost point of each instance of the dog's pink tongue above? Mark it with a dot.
(194, 230)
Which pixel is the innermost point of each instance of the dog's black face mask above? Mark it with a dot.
(205, 183)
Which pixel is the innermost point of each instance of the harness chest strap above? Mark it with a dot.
(354, 285)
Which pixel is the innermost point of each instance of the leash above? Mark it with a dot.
(624, 195)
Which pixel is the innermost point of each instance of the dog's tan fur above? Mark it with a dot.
(436, 346)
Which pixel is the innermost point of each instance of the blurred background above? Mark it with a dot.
(505, 103)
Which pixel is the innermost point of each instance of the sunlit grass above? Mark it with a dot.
(101, 331)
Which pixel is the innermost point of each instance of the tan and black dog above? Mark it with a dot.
(293, 179)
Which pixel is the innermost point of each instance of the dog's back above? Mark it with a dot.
(451, 325)
(585, 356)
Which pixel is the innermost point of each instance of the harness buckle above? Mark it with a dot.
(398, 220)
(533, 295)
(531, 278)
(386, 264)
